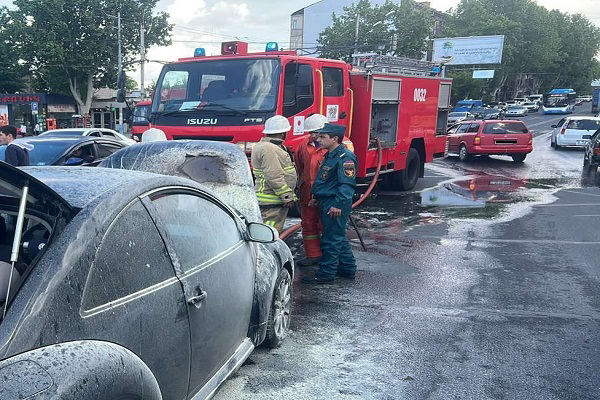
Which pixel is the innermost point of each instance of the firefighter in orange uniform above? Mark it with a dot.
(309, 157)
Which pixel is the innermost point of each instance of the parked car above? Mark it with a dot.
(516, 111)
(133, 285)
(72, 150)
(573, 131)
(591, 155)
(96, 132)
(531, 106)
(490, 137)
(458, 116)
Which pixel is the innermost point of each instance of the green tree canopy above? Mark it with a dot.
(398, 29)
(11, 72)
(542, 48)
(70, 46)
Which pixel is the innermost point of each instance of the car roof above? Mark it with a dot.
(487, 121)
(586, 118)
(67, 140)
(79, 186)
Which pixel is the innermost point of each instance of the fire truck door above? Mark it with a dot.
(335, 81)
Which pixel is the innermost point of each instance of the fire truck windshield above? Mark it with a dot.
(211, 86)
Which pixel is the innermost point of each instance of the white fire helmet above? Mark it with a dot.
(277, 124)
(153, 135)
(314, 122)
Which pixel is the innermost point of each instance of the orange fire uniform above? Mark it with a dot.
(308, 161)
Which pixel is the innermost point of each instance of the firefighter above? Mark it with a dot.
(309, 157)
(332, 192)
(274, 172)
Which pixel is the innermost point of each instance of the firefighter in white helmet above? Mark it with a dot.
(274, 172)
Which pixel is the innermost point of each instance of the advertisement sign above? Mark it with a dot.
(469, 50)
(3, 115)
(61, 108)
(484, 74)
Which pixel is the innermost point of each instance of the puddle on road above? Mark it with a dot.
(479, 196)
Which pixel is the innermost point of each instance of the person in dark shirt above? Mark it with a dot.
(16, 154)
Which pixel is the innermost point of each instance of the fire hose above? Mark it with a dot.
(294, 228)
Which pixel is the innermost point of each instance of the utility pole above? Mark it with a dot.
(120, 70)
(142, 57)
(356, 32)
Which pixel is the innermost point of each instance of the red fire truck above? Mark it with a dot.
(140, 119)
(229, 97)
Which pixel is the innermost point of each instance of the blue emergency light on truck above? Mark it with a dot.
(559, 101)
(467, 105)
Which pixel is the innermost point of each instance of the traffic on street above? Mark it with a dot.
(481, 282)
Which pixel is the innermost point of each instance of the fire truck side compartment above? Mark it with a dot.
(384, 111)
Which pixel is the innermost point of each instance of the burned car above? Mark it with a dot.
(124, 284)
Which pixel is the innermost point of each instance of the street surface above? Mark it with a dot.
(482, 283)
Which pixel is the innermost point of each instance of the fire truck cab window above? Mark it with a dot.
(298, 93)
(219, 86)
(333, 82)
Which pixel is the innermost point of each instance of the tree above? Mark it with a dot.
(388, 29)
(542, 48)
(70, 46)
(11, 72)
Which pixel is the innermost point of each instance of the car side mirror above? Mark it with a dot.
(74, 161)
(552, 126)
(261, 233)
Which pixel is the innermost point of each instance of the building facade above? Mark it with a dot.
(30, 109)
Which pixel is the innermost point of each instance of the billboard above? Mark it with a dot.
(484, 74)
(469, 50)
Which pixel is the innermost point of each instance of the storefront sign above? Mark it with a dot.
(61, 108)
(19, 98)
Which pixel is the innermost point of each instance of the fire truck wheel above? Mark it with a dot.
(463, 154)
(407, 178)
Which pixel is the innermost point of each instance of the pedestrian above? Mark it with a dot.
(309, 156)
(332, 192)
(274, 172)
(23, 130)
(16, 153)
(36, 129)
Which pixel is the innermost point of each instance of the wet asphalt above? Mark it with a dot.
(482, 283)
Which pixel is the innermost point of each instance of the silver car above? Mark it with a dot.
(574, 131)
(516, 111)
(458, 116)
(95, 132)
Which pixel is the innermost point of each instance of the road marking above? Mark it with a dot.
(492, 240)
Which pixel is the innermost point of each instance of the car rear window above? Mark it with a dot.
(505, 127)
(584, 124)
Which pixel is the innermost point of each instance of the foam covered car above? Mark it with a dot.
(121, 284)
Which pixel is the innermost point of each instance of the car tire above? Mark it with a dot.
(278, 326)
(518, 158)
(407, 178)
(463, 154)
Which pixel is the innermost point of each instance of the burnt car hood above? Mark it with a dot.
(13, 179)
(222, 167)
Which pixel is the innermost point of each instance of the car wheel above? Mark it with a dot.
(463, 154)
(278, 326)
(407, 178)
(519, 158)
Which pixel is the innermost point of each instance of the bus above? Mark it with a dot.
(559, 101)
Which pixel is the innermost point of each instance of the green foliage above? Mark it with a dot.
(542, 48)
(389, 29)
(11, 72)
(70, 46)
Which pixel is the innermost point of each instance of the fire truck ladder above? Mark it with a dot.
(374, 62)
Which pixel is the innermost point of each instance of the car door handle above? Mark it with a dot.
(197, 299)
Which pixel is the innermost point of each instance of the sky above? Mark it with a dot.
(207, 23)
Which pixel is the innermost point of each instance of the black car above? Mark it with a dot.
(591, 155)
(72, 150)
(131, 285)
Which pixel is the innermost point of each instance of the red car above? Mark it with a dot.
(490, 137)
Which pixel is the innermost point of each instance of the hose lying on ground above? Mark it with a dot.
(294, 228)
